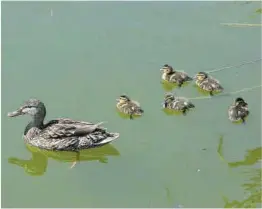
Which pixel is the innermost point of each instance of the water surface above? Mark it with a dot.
(82, 57)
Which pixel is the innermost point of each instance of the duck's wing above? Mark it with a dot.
(180, 76)
(181, 99)
(185, 75)
(242, 112)
(67, 128)
(135, 103)
(214, 80)
(186, 102)
(211, 84)
(136, 107)
(175, 77)
(70, 135)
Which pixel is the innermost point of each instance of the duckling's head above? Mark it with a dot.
(31, 107)
(123, 99)
(201, 76)
(167, 69)
(169, 97)
(239, 101)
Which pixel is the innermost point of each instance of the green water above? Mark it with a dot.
(80, 59)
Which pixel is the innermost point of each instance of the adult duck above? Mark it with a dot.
(61, 134)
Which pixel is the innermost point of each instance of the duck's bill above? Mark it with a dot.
(15, 113)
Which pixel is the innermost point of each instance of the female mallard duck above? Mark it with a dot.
(238, 110)
(60, 134)
(180, 104)
(128, 106)
(172, 76)
(207, 83)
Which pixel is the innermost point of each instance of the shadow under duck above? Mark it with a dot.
(180, 104)
(129, 107)
(207, 83)
(61, 134)
(172, 76)
(238, 111)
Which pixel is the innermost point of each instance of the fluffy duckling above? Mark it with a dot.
(238, 110)
(128, 106)
(172, 76)
(208, 83)
(180, 104)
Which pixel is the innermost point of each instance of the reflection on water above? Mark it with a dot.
(125, 116)
(253, 187)
(37, 165)
(171, 112)
(170, 86)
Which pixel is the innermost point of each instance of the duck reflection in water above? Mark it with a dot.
(37, 165)
(252, 182)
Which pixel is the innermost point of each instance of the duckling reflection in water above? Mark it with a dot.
(207, 83)
(37, 165)
(180, 104)
(129, 107)
(172, 76)
(238, 111)
(61, 134)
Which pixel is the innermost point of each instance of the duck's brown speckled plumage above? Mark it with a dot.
(238, 111)
(180, 104)
(207, 83)
(172, 76)
(128, 106)
(61, 134)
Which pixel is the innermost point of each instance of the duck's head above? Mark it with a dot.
(123, 99)
(200, 76)
(239, 101)
(167, 69)
(31, 107)
(169, 97)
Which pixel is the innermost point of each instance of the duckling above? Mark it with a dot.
(238, 110)
(128, 106)
(177, 103)
(60, 134)
(172, 76)
(208, 83)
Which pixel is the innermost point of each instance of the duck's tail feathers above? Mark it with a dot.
(141, 111)
(189, 78)
(112, 137)
(191, 105)
(220, 88)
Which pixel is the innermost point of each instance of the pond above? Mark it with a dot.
(78, 57)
